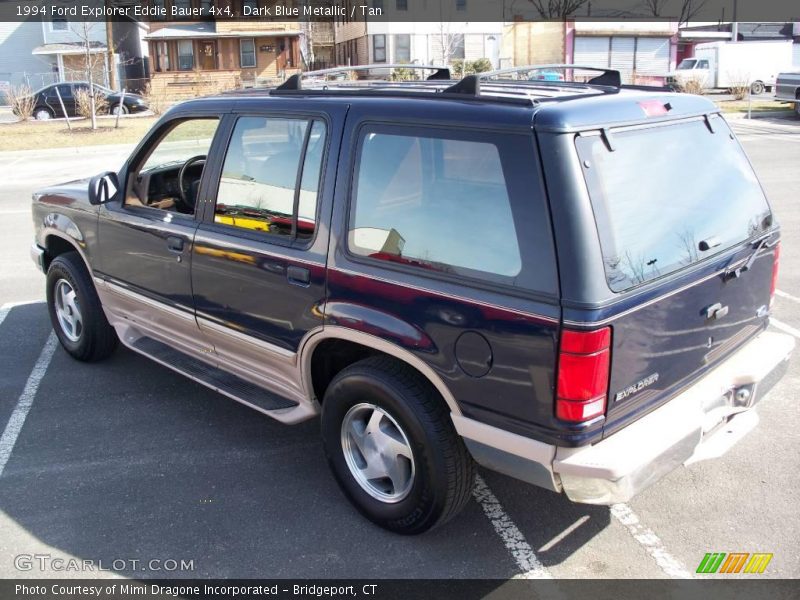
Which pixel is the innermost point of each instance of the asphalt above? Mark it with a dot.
(126, 460)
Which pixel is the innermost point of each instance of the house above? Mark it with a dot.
(38, 53)
(439, 39)
(191, 58)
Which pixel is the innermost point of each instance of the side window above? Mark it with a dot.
(266, 159)
(435, 203)
(65, 90)
(168, 177)
(703, 64)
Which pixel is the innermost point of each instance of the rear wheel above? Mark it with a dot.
(392, 447)
(757, 88)
(119, 110)
(75, 310)
(42, 114)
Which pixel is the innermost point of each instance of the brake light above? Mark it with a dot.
(584, 359)
(775, 260)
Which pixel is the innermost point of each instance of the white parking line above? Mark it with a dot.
(783, 294)
(512, 537)
(784, 327)
(17, 420)
(649, 541)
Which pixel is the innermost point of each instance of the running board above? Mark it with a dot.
(213, 377)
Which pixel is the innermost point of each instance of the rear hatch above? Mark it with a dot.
(678, 211)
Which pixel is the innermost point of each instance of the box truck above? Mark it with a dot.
(724, 65)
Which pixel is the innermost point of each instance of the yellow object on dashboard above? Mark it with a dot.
(244, 222)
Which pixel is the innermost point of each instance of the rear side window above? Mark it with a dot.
(664, 193)
(437, 203)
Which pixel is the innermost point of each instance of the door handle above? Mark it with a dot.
(175, 244)
(298, 275)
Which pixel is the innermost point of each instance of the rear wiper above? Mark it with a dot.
(760, 243)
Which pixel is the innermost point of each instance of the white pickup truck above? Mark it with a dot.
(787, 88)
(723, 65)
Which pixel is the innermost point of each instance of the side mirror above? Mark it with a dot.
(103, 188)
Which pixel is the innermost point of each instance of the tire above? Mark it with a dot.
(42, 114)
(116, 109)
(757, 88)
(410, 414)
(75, 310)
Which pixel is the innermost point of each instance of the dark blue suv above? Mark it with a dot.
(567, 282)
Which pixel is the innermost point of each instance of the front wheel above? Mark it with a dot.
(119, 110)
(392, 446)
(75, 311)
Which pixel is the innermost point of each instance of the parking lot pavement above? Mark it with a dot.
(128, 461)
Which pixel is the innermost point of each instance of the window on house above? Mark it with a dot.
(401, 4)
(206, 5)
(185, 55)
(182, 5)
(455, 43)
(247, 53)
(379, 48)
(259, 185)
(249, 6)
(162, 57)
(59, 25)
(402, 48)
(159, 6)
(377, 4)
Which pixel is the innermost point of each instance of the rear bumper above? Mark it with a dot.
(702, 422)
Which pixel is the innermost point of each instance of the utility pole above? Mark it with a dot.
(112, 67)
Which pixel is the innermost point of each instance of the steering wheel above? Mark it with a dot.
(187, 199)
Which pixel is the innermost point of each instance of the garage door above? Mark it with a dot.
(652, 56)
(592, 52)
(623, 51)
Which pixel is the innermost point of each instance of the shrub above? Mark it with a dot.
(21, 100)
(693, 85)
(405, 75)
(83, 103)
(156, 100)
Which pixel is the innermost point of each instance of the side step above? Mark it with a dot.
(217, 379)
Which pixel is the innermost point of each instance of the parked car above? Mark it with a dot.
(788, 89)
(47, 105)
(443, 275)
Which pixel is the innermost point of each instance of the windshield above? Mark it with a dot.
(687, 63)
(665, 192)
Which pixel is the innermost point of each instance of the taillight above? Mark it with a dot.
(775, 260)
(583, 362)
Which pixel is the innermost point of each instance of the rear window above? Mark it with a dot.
(669, 196)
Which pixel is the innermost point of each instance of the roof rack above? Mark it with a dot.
(514, 85)
(295, 81)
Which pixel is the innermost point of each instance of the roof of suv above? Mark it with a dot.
(550, 106)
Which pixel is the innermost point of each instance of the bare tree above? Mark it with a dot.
(557, 9)
(688, 9)
(84, 32)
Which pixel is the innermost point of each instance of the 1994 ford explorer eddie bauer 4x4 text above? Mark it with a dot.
(533, 275)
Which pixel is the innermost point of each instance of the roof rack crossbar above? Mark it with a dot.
(440, 71)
